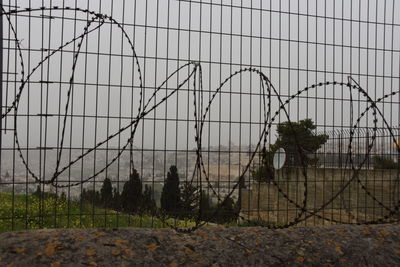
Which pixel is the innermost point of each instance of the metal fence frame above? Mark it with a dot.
(352, 189)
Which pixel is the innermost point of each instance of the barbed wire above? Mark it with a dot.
(201, 110)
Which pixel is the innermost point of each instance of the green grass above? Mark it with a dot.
(26, 212)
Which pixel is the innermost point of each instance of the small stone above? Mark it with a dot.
(384, 232)
(100, 234)
(19, 250)
(115, 252)
(300, 259)
(128, 251)
(121, 243)
(152, 247)
(366, 231)
(188, 251)
(90, 252)
(51, 248)
(21, 234)
(338, 250)
(250, 251)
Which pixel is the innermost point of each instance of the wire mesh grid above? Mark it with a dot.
(183, 113)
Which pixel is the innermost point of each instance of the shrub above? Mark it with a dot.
(381, 162)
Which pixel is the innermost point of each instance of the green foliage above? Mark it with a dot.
(38, 191)
(189, 199)
(225, 212)
(41, 194)
(206, 208)
(265, 172)
(63, 196)
(381, 162)
(297, 136)
(228, 211)
(106, 193)
(148, 202)
(170, 196)
(116, 200)
(91, 196)
(299, 142)
(32, 212)
(131, 200)
(131, 197)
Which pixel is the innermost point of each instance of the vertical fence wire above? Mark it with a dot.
(174, 113)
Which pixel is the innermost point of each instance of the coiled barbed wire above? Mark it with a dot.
(267, 91)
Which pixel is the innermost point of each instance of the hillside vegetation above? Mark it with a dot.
(20, 212)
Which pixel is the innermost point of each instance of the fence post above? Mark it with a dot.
(1, 79)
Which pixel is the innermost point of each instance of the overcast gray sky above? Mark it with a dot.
(337, 39)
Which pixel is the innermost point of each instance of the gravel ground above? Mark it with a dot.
(377, 245)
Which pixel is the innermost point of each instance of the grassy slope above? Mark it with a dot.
(20, 212)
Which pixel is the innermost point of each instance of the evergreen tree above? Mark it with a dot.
(63, 196)
(300, 143)
(38, 191)
(189, 199)
(91, 196)
(228, 211)
(148, 204)
(131, 197)
(265, 172)
(97, 198)
(380, 162)
(170, 196)
(83, 195)
(297, 136)
(206, 208)
(106, 193)
(116, 200)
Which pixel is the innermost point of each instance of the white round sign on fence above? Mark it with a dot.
(279, 158)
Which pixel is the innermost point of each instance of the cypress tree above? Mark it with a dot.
(91, 196)
(228, 211)
(38, 191)
(106, 192)
(170, 196)
(206, 209)
(97, 198)
(131, 197)
(116, 201)
(148, 204)
(189, 199)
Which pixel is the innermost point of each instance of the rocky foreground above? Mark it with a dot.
(377, 245)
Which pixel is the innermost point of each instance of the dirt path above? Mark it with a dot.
(212, 246)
